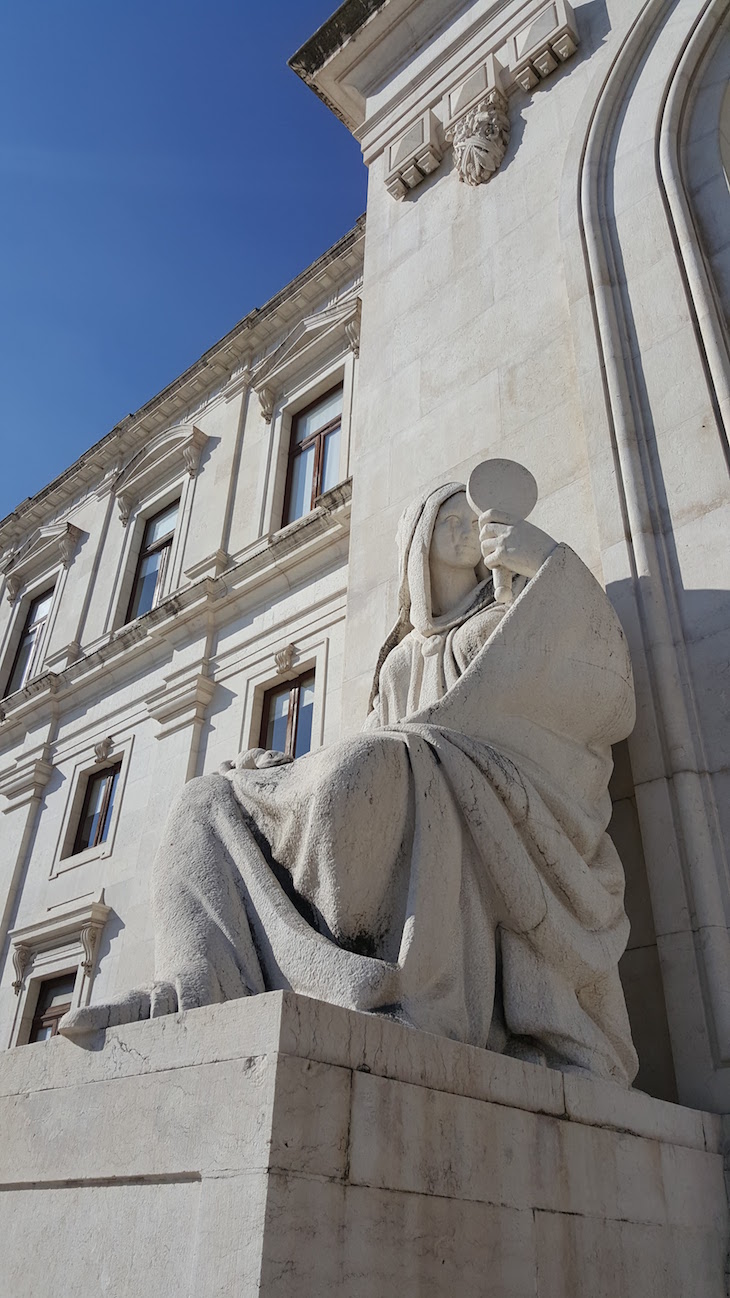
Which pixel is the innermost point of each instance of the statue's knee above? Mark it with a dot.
(199, 797)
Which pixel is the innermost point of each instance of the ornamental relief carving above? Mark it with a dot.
(473, 115)
(480, 139)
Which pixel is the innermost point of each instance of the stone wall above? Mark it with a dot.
(570, 313)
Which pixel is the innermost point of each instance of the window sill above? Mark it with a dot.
(82, 858)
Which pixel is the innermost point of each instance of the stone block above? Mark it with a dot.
(280, 1146)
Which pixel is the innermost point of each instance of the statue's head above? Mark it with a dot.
(455, 535)
(438, 525)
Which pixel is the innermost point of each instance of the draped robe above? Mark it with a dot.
(448, 866)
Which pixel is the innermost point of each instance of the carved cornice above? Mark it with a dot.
(42, 552)
(449, 92)
(26, 778)
(97, 469)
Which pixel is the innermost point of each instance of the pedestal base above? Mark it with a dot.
(281, 1146)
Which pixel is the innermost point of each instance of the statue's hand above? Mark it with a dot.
(513, 543)
(254, 759)
(267, 757)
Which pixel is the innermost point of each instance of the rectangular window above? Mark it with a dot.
(314, 457)
(26, 662)
(154, 557)
(286, 724)
(54, 1000)
(96, 812)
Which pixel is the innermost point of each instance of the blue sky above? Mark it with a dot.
(162, 173)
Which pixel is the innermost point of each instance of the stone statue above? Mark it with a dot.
(449, 866)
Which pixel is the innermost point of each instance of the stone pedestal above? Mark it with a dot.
(284, 1147)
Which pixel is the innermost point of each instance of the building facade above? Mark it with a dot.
(544, 275)
(177, 596)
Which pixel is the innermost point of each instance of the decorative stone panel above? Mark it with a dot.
(547, 41)
(414, 156)
(480, 139)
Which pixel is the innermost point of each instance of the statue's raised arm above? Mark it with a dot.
(450, 866)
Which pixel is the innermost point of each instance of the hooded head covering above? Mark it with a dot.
(415, 613)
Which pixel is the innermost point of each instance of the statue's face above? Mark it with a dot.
(455, 539)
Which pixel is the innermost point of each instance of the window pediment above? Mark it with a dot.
(43, 550)
(75, 925)
(175, 451)
(310, 339)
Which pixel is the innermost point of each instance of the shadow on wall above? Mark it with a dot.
(639, 967)
(704, 618)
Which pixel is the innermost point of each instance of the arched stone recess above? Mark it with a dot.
(695, 169)
(654, 395)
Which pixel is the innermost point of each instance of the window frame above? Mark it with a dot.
(87, 765)
(37, 656)
(52, 1016)
(292, 721)
(165, 546)
(68, 941)
(316, 439)
(111, 774)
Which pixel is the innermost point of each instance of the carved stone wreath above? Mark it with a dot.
(480, 139)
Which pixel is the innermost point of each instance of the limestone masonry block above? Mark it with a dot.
(280, 1146)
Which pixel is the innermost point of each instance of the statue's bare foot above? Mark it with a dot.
(193, 986)
(146, 1002)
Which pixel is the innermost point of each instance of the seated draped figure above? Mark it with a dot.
(449, 866)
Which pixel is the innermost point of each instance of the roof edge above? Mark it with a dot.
(345, 23)
(248, 322)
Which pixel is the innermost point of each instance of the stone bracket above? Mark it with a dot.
(181, 702)
(27, 778)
